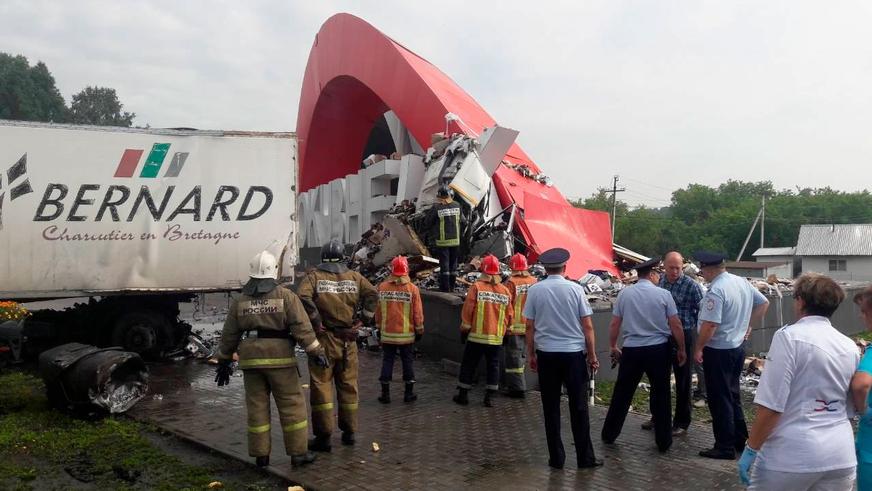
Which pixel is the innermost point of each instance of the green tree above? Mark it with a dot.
(99, 106)
(28, 93)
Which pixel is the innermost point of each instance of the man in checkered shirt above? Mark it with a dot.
(687, 294)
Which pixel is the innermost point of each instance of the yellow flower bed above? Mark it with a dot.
(12, 311)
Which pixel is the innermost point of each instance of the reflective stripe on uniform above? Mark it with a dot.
(485, 338)
(515, 370)
(258, 429)
(391, 335)
(312, 347)
(407, 309)
(519, 328)
(352, 406)
(265, 362)
(302, 425)
(322, 407)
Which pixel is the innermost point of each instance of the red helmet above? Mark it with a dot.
(490, 265)
(518, 262)
(400, 266)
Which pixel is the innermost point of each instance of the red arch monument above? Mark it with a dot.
(355, 74)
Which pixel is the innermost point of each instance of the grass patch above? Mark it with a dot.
(44, 448)
(603, 394)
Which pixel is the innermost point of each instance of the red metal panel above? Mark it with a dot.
(575, 229)
(355, 73)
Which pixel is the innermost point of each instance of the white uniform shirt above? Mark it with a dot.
(807, 378)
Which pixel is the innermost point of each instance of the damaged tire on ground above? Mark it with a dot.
(140, 331)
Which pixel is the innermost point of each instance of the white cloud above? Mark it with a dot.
(664, 93)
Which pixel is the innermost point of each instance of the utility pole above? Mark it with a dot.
(615, 192)
(762, 219)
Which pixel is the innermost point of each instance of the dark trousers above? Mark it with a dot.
(653, 361)
(407, 355)
(472, 354)
(555, 371)
(447, 267)
(683, 384)
(723, 367)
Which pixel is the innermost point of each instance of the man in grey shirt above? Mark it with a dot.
(647, 316)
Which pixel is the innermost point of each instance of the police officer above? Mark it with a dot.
(485, 317)
(263, 325)
(445, 221)
(515, 343)
(400, 319)
(647, 316)
(331, 295)
(561, 347)
(725, 316)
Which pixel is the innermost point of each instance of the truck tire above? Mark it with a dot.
(140, 331)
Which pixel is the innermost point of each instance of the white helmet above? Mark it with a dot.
(263, 266)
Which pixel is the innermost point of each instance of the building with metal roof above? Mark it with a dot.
(842, 251)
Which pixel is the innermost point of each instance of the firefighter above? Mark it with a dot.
(446, 221)
(400, 319)
(515, 343)
(486, 314)
(262, 325)
(332, 294)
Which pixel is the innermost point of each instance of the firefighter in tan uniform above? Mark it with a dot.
(515, 343)
(262, 326)
(486, 315)
(331, 294)
(400, 319)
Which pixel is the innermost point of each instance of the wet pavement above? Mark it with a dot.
(431, 442)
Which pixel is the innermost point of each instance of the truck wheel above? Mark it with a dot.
(139, 332)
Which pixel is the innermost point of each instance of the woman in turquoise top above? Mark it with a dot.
(860, 385)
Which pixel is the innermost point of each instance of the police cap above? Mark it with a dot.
(554, 257)
(649, 264)
(706, 258)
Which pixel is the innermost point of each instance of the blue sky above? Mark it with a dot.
(663, 93)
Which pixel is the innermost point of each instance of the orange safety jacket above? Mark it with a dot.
(400, 313)
(487, 311)
(518, 285)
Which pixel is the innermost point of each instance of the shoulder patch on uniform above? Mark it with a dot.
(261, 307)
(710, 304)
(330, 286)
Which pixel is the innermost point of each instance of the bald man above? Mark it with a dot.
(687, 294)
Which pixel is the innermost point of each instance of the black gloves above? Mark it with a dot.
(223, 372)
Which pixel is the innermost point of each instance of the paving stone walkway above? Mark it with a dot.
(432, 443)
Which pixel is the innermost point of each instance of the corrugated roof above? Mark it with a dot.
(752, 265)
(835, 240)
(774, 251)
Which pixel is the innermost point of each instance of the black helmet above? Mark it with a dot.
(332, 252)
(444, 192)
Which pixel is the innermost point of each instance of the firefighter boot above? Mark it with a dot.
(262, 461)
(347, 438)
(301, 460)
(462, 397)
(320, 443)
(487, 398)
(385, 397)
(410, 395)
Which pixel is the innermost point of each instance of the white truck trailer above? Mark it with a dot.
(136, 220)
